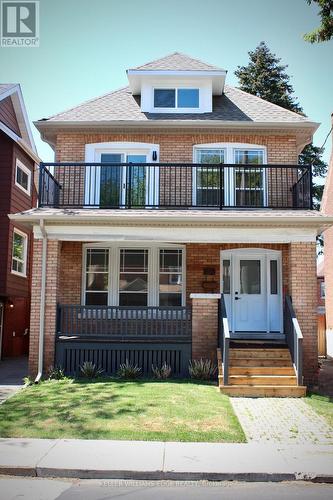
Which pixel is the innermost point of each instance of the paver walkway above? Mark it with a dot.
(281, 420)
(12, 372)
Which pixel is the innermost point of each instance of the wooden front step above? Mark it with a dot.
(261, 370)
(243, 362)
(273, 380)
(259, 354)
(257, 391)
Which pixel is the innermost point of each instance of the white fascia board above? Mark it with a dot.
(137, 77)
(137, 124)
(176, 234)
(20, 109)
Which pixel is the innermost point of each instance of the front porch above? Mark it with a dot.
(154, 302)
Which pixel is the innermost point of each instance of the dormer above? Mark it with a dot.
(176, 84)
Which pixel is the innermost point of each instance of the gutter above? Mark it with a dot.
(42, 304)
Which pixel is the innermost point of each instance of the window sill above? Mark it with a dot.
(21, 275)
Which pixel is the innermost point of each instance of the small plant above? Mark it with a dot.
(129, 371)
(202, 369)
(90, 370)
(161, 373)
(27, 381)
(55, 373)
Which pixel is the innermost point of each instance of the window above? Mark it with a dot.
(23, 177)
(19, 255)
(133, 278)
(322, 289)
(176, 98)
(274, 277)
(249, 184)
(226, 275)
(171, 278)
(97, 277)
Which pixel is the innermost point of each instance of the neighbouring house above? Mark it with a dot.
(18, 159)
(176, 224)
(321, 309)
(327, 209)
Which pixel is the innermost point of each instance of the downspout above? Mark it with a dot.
(42, 303)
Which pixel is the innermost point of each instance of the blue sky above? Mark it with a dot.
(86, 46)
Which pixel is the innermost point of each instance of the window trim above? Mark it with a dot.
(25, 236)
(114, 269)
(322, 290)
(176, 109)
(27, 171)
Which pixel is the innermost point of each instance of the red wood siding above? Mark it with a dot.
(8, 116)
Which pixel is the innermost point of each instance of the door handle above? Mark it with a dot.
(237, 298)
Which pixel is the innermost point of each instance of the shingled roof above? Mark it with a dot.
(178, 61)
(233, 106)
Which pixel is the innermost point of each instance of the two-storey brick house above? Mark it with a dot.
(18, 159)
(165, 195)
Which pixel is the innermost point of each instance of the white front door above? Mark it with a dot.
(250, 296)
(251, 282)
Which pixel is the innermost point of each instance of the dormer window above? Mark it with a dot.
(176, 98)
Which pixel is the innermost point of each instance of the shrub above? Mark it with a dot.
(27, 381)
(90, 370)
(129, 371)
(202, 369)
(55, 373)
(161, 373)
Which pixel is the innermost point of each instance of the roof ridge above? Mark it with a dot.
(177, 53)
(83, 103)
(305, 117)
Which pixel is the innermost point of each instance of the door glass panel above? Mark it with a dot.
(274, 280)
(209, 179)
(226, 275)
(136, 181)
(111, 181)
(250, 277)
(249, 181)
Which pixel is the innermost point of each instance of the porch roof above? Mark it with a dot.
(228, 217)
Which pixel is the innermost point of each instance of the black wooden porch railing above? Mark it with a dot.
(124, 323)
(174, 186)
(294, 338)
(224, 339)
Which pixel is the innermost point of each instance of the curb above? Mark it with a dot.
(44, 472)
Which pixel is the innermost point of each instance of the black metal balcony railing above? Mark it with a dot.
(175, 186)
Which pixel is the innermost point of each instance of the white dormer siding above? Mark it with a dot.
(207, 82)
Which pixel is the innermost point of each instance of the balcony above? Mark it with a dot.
(175, 186)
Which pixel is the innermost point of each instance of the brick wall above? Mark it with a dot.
(303, 290)
(71, 272)
(204, 328)
(53, 271)
(177, 147)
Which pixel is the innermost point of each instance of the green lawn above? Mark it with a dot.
(113, 409)
(322, 405)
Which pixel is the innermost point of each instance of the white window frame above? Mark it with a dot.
(23, 274)
(114, 269)
(229, 149)
(176, 108)
(93, 154)
(322, 290)
(27, 171)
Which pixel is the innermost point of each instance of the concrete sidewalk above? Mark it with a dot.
(101, 459)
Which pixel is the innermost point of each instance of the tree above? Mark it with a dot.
(266, 77)
(325, 31)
